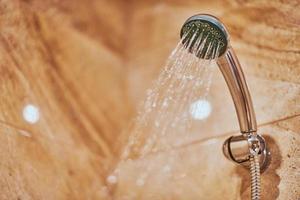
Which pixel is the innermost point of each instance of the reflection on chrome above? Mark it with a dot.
(31, 114)
(200, 109)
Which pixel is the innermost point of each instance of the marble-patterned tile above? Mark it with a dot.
(200, 171)
(62, 101)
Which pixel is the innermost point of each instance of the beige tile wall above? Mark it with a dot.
(87, 64)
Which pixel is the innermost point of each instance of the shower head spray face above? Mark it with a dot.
(210, 34)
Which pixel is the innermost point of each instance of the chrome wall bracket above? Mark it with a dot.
(239, 149)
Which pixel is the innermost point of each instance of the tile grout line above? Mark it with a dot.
(201, 141)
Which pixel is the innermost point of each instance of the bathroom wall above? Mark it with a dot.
(73, 73)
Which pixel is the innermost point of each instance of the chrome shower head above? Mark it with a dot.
(206, 37)
(201, 32)
(205, 27)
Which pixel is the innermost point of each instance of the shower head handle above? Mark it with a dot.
(235, 79)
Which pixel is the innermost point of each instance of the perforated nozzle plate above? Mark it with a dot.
(207, 27)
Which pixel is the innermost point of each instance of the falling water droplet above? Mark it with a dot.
(165, 103)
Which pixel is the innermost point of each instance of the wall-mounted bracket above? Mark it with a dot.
(238, 150)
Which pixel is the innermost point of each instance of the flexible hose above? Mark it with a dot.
(255, 177)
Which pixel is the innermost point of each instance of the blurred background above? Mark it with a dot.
(72, 74)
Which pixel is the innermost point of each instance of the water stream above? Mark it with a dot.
(177, 97)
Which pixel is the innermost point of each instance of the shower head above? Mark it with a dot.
(208, 31)
(201, 33)
(206, 37)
